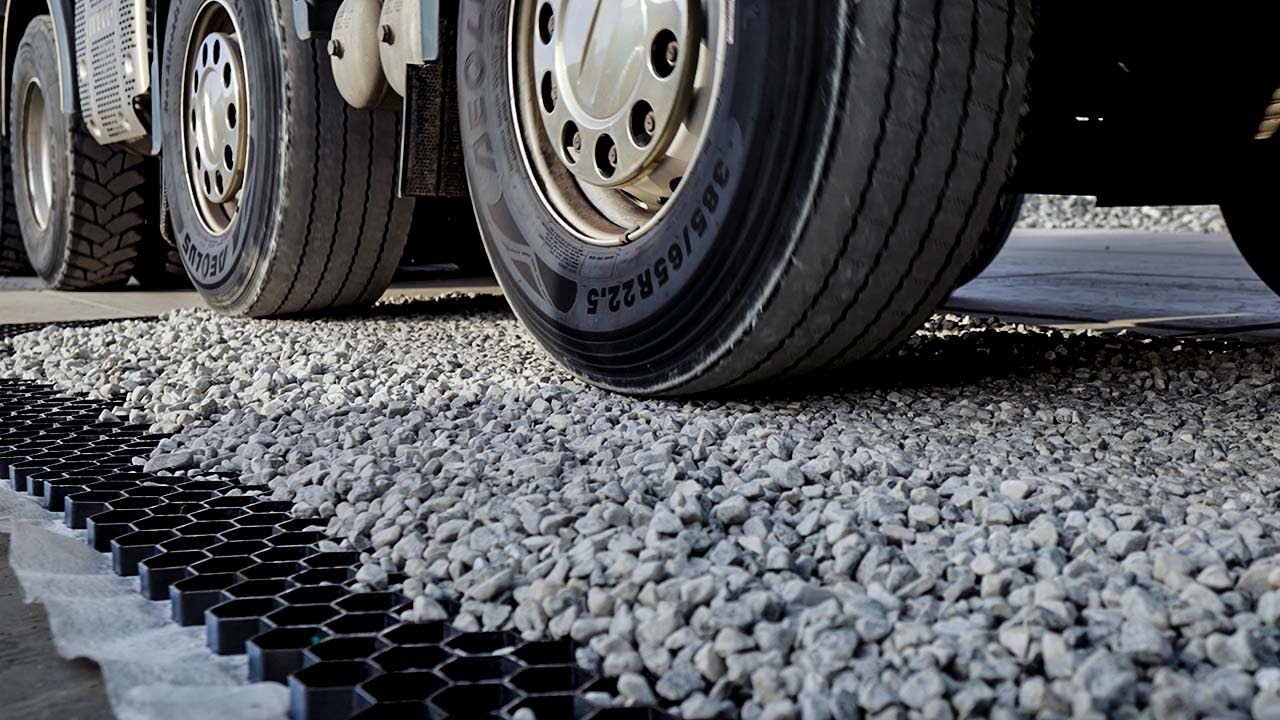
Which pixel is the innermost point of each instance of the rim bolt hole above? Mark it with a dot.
(665, 54)
(606, 156)
(228, 159)
(226, 75)
(546, 23)
(644, 123)
(217, 51)
(550, 93)
(572, 141)
(675, 184)
(231, 115)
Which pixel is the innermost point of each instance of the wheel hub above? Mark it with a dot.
(215, 108)
(614, 80)
(38, 153)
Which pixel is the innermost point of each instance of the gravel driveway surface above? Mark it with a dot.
(1007, 521)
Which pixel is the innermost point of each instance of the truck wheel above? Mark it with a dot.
(999, 228)
(282, 198)
(80, 205)
(1251, 219)
(694, 200)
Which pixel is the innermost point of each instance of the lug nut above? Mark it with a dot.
(577, 143)
(673, 53)
(335, 49)
(613, 157)
(388, 35)
(650, 122)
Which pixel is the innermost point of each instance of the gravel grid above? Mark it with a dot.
(1009, 522)
(1069, 212)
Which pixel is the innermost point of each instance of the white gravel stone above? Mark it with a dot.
(1010, 520)
(1079, 212)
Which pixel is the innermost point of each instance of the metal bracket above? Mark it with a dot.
(314, 18)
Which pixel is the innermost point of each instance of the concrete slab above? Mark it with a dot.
(1180, 284)
(23, 301)
(1162, 283)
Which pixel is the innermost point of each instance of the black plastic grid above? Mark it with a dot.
(254, 577)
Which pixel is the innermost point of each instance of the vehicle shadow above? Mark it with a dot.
(989, 356)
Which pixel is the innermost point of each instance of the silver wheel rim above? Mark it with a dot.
(215, 116)
(612, 101)
(37, 152)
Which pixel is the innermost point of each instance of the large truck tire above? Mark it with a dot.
(848, 157)
(1251, 219)
(81, 207)
(13, 255)
(282, 198)
(996, 235)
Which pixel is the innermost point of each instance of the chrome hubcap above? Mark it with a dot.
(612, 97)
(38, 153)
(215, 116)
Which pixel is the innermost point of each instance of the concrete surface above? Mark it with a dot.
(35, 682)
(22, 300)
(1162, 283)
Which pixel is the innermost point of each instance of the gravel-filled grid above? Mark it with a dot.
(997, 520)
(228, 559)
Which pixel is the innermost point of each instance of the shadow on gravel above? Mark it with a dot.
(1011, 355)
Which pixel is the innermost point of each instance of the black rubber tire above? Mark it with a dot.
(1003, 219)
(1250, 217)
(319, 225)
(13, 255)
(99, 205)
(852, 161)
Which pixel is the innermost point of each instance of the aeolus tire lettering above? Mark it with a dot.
(679, 254)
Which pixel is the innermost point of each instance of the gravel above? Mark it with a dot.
(1069, 212)
(1009, 521)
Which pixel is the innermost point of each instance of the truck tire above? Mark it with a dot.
(291, 206)
(13, 256)
(80, 206)
(1003, 219)
(849, 155)
(1251, 219)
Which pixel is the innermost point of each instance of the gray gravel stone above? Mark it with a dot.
(1054, 523)
(1071, 212)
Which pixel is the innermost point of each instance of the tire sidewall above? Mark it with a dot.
(660, 306)
(47, 248)
(227, 268)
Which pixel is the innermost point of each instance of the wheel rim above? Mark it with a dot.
(612, 100)
(37, 153)
(215, 116)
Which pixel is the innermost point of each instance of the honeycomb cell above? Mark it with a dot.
(327, 689)
(411, 657)
(473, 699)
(400, 686)
(479, 669)
(484, 643)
